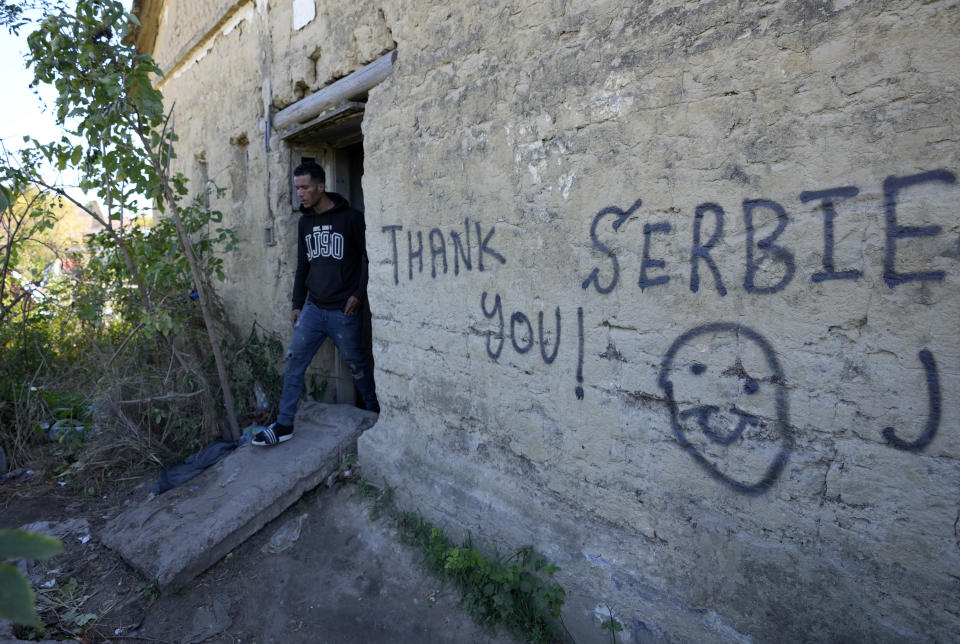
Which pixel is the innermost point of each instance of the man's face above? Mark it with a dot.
(308, 192)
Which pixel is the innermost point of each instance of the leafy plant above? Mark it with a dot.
(64, 604)
(16, 596)
(69, 417)
(612, 625)
(149, 590)
(254, 368)
(124, 317)
(119, 139)
(26, 216)
(25, 213)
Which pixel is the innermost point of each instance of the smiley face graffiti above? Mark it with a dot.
(728, 404)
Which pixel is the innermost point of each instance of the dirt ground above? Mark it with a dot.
(324, 571)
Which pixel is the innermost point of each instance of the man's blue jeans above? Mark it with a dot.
(311, 329)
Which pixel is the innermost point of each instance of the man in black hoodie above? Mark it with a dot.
(329, 288)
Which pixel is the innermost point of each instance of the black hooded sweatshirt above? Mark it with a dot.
(331, 256)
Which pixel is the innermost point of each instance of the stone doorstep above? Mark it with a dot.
(173, 537)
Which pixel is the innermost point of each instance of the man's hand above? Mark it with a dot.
(294, 314)
(353, 305)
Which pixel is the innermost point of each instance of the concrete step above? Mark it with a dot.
(173, 537)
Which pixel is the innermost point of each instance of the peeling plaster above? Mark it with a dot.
(206, 46)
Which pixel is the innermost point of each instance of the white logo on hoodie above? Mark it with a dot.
(323, 243)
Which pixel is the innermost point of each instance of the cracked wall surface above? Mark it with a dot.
(667, 290)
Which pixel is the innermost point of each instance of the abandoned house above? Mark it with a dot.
(668, 290)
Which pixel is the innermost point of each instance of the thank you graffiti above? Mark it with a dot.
(725, 386)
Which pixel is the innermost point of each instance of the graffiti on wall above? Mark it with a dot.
(460, 248)
(738, 430)
(933, 414)
(715, 431)
(767, 249)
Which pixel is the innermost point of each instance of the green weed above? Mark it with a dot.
(516, 591)
(149, 590)
(63, 605)
(611, 624)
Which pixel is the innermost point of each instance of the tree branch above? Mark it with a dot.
(165, 397)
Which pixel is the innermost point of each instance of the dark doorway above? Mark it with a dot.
(337, 145)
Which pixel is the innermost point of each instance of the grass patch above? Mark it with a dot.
(517, 591)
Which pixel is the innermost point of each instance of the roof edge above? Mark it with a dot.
(144, 37)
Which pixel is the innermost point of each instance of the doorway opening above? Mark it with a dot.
(335, 141)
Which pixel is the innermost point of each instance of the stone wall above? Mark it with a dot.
(651, 282)
(341, 38)
(667, 290)
(181, 23)
(219, 118)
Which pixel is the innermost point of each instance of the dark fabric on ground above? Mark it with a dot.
(173, 475)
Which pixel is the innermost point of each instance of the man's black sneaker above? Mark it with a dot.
(272, 435)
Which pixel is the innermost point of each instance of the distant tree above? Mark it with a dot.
(27, 214)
